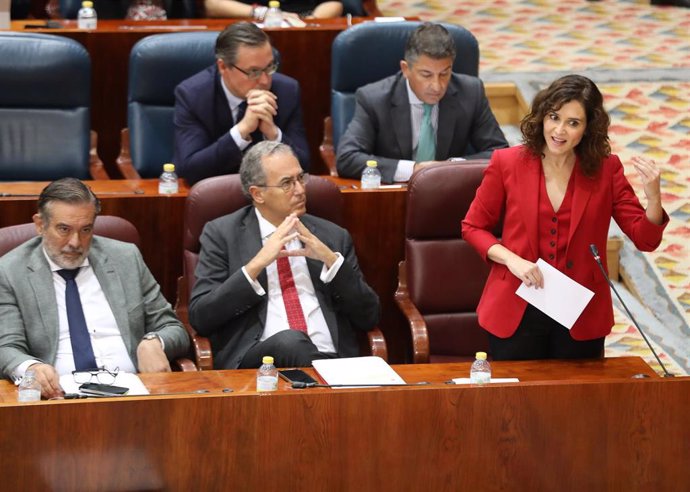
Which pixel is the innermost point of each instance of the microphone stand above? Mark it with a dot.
(597, 258)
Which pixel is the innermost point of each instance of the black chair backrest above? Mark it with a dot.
(45, 95)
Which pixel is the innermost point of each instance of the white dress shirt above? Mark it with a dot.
(276, 317)
(107, 342)
(405, 167)
(234, 103)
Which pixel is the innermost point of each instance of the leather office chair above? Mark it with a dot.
(156, 65)
(220, 195)
(442, 277)
(354, 64)
(45, 95)
(107, 226)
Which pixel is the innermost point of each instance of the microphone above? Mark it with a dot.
(597, 258)
(301, 385)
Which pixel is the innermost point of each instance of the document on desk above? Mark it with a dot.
(354, 371)
(562, 298)
(124, 379)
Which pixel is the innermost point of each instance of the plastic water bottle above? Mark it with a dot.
(371, 176)
(274, 16)
(87, 18)
(267, 375)
(29, 387)
(480, 373)
(167, 184)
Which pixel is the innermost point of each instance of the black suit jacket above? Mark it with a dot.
(225, 307)
(203, 145)
(381, 128)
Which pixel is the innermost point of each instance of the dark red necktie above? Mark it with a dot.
(293, 307)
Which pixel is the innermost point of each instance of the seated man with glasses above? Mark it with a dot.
(225, 109)
(273, 280)
(70, 300)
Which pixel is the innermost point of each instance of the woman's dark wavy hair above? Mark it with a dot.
(594, 146)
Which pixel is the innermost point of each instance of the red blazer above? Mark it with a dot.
(510, 189)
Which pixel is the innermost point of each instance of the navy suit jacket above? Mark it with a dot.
(225, 307)
(381, 127)
(203, 145)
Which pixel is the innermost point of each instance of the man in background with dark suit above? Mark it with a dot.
(273, 280)
(225, 109)
(423, 114)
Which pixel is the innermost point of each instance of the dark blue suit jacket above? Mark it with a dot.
(203, 145)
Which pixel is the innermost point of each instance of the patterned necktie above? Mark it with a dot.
(78, 332)
(241, 109)
(293, 307)
(426, 147)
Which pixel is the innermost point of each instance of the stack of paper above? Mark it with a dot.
(356, 371)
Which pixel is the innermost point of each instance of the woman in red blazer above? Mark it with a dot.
(556, 195)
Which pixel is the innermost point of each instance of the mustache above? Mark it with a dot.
(70, 250)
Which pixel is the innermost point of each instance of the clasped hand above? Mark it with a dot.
(262, 106)
(274, 247)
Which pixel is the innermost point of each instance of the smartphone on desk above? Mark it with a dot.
(98, 389)
(296, 375)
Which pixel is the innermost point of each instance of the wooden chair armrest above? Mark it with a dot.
(201, 347)
(184, 364)
(96, 167)
(418, 330)
(326, 148)
(124, 160)
(377, 343)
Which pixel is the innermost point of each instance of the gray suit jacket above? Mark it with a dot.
(381, 127)
(28, 309)
(225, 307)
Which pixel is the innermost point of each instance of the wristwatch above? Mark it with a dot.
(151, 335)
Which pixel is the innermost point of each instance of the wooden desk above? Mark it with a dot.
(592, 428)
(159, 219)
(305, 53)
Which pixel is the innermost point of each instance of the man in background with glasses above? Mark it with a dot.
(70, 300)
(273, 280)
(225, 109)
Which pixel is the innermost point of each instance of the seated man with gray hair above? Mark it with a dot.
(70, 300)
(274, 280)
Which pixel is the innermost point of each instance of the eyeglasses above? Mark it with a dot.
(102, 375)
(288, 184)
(256, 73)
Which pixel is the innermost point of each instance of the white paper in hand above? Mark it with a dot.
(562, 298)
